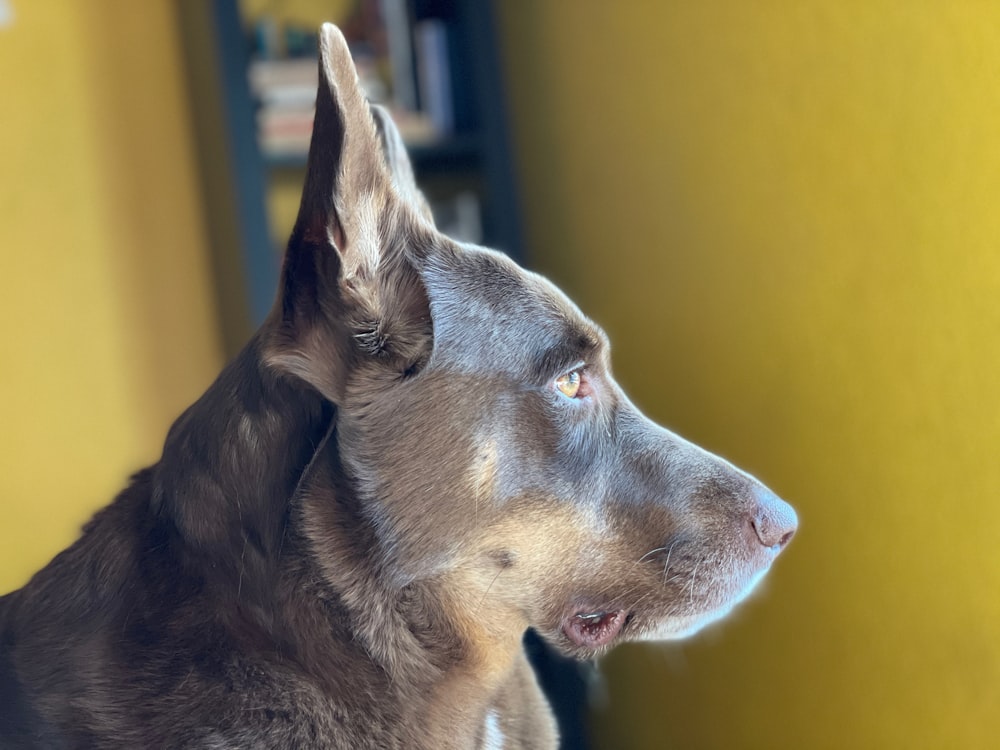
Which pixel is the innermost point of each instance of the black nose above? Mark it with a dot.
(774, 521)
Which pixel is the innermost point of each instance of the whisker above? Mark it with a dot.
(666, 565)
(694, 576)
(652, 552)
(639, 601)
(488, 589)
(612, 585)
(243, 554)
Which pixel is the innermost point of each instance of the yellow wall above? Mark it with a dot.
(788, 216)
(107, 321)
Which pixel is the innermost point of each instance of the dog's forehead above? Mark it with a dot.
(490, 311)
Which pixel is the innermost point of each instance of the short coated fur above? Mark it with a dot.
(420, 455)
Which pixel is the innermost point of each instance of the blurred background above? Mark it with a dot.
(784, 213)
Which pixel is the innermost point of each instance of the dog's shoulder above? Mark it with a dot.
(123, 594)
(161, 655)
(77, 592)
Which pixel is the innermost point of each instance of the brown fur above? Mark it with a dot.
(347, 536)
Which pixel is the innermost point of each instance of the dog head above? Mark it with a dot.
(480, 433)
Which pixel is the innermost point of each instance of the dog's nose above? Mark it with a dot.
(774, 521)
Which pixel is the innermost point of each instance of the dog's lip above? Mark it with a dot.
(591, 628)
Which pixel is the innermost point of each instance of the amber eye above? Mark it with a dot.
(569, 384)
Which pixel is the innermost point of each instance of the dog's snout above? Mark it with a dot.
(773, 521)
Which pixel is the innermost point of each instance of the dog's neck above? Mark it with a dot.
(447, 664)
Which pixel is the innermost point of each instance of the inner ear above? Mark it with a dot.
(394, 330)
(349, 292)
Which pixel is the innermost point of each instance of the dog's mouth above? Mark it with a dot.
(594, 629)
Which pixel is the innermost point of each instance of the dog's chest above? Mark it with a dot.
(493, 738)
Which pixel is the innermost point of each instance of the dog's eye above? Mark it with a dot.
(569, 384)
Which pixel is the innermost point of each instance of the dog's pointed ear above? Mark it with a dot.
(398, 161)
(345, 174)
(345, 249)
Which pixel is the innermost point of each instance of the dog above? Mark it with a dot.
(421, 454)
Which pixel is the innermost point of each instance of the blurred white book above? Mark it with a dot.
(434, 74)
(460, 217)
